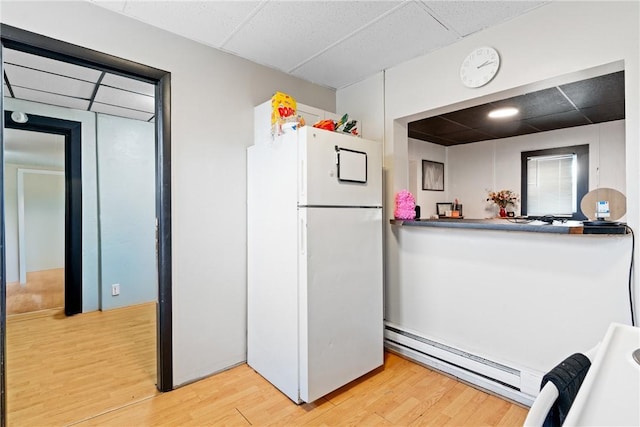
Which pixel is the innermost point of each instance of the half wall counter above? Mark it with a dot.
(516, 224)
(499, 303)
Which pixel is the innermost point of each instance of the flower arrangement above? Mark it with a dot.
(503, 198)
(405, 205)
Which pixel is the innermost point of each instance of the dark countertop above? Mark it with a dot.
(507, 224)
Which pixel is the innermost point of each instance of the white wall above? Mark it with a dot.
(516, 298)
(365, 102)
(548, 45)
(473, 169)
(127, 206)
(44, 225)
(212, 100)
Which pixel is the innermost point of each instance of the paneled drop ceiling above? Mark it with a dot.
(331, 43)
(327, 42)
(47, 81)
(596, 100)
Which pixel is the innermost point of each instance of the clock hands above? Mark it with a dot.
(485, 63)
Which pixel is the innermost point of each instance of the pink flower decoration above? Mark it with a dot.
(405, 205)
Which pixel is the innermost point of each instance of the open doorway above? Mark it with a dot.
(32, 43)
(41, 235)
(34, 222)
(34, 203)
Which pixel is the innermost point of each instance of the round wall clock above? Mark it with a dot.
(479, 67)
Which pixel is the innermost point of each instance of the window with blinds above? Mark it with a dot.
(554, 181)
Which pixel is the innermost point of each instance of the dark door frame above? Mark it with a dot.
(72, 132)
(18, 39)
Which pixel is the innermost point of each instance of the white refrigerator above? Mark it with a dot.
(314, 254)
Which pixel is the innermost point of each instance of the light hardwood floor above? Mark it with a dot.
(61, 370)
(79, 371)
(43, 290)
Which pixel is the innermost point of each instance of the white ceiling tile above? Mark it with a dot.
(286, 33)
(50, 98)
(209, 22)
(343, 64)
(123, 98)
(129, 84)
(39, 80)
(332, 43)
(467, 17)
(28, 60)
(121, 112)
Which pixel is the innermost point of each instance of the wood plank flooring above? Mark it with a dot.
(44, 290)
(61, 370)
(114, 373)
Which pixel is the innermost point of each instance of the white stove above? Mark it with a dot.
(610, 393)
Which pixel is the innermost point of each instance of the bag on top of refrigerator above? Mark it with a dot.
(283, 113)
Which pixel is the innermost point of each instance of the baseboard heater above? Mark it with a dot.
(507, 381)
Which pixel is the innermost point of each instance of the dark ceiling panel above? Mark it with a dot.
(536, 104)
(559, 121)
(605, 112)
(431, 138)
(508, 129)
(438, 125)
(590, 101)
(598, 90)
(474, 117)
(466, 136)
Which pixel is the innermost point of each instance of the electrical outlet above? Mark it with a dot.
(115, 289)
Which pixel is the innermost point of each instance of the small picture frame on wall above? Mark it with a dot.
(432, 175)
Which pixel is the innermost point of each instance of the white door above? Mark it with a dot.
(341, 319)
(338, 169)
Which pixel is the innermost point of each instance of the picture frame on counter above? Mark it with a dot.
(443, 208)
(432, 175)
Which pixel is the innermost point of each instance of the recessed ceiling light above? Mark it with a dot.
(503, 112)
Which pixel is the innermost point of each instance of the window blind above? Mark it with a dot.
(552, 185)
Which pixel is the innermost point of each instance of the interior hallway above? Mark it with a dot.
(99, 369)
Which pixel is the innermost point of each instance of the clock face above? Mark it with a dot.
(479, 67)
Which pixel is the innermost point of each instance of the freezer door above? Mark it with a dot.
(341, 319)
(338, 169)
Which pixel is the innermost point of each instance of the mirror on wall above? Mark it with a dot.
(483, 154)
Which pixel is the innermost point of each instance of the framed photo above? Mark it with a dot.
(442, 208)
(432, 175)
